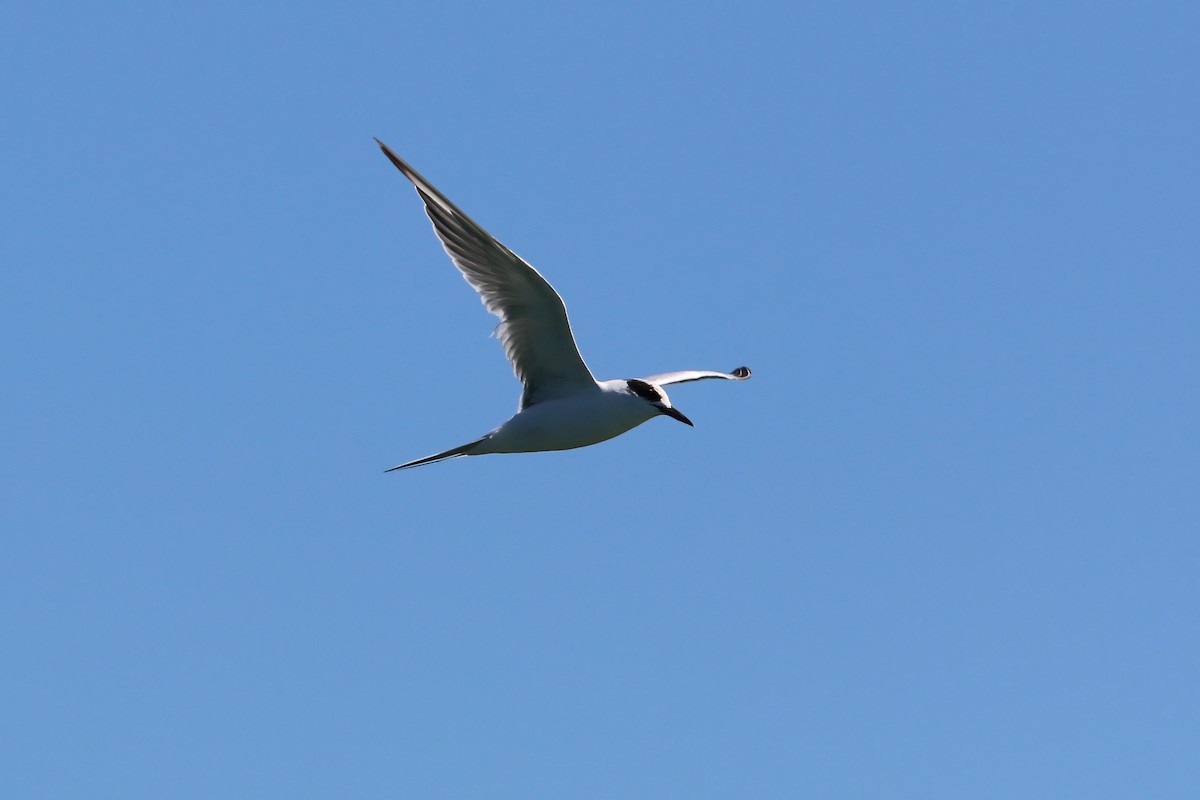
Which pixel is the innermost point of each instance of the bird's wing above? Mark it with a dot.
(667, 378)
(533, 328)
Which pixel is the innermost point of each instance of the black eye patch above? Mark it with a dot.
(644, 390)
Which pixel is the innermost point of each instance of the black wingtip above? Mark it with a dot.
(387, 151)
(741, 373)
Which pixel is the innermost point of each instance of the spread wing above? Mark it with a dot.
(667, 378)
(533, 328)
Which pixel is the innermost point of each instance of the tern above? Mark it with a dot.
(562, 406)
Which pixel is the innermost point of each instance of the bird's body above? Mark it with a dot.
(571, 422)
(563, 407)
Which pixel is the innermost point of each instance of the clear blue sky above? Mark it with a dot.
(943, 545)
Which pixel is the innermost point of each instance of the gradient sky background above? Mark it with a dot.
(944, 544)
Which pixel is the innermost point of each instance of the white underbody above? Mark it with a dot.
(575, 421)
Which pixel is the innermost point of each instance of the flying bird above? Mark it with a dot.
(562, 406)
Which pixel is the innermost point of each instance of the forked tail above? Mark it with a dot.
(461, 450)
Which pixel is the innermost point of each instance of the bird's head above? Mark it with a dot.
(656, 397)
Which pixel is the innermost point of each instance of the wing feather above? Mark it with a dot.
(686, 376)
(533, 330)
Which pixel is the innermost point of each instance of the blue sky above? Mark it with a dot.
(944, 544)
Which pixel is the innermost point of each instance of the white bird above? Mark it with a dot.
(563, 406)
